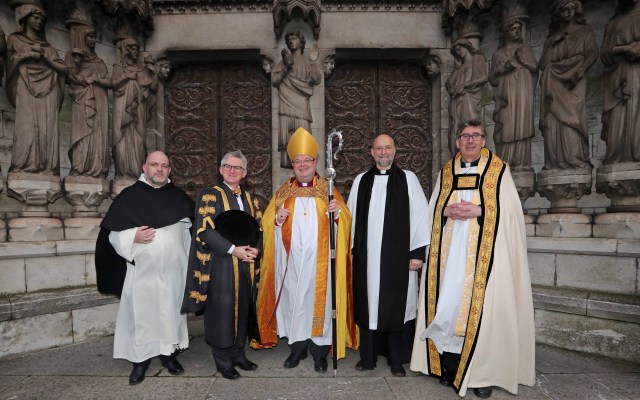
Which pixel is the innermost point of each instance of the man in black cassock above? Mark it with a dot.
(141, 256)
(389, 238)
(221, 278)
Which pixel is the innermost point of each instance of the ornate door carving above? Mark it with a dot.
(364, 99)
(212, 109)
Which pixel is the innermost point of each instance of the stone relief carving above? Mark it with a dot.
(329, 64)
(35, 87)
(464, 86)
(569, 51)
(267, 64)
(432, 64)
(88, 84)
(514, 73)
(284, 10)
(295, 76)
(620, 55)
(134, 83)
(3, 50)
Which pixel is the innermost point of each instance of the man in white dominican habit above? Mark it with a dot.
(294, 298)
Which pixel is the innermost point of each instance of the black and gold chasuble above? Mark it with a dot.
(487, 182)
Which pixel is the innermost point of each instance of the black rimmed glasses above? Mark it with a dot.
(236, 168)
(474, 136)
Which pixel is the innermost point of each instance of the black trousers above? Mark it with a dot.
(395, 346)
(227, 357)
(450, 363)
(316, 351)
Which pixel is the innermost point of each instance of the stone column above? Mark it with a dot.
(564, 187)
(525, 184)
(35, 191)
(86, 193)
(620, 183)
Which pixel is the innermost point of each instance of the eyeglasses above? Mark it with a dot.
(475, 137)
(301, 162)
(236, 168)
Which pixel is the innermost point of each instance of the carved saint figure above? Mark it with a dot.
(295, 76)
(432, 65)
(88, 83)
(134, 84)
(514, 73)
(620, 55)
(569, 51)
(3, 50)
(35, 87)
(465, 86)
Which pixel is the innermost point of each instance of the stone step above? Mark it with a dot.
(612, 306)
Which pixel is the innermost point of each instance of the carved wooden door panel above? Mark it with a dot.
(215, 108)
(364, 99)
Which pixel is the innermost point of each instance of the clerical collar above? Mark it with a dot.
(381, 171)
(469, 164)
(304, 184)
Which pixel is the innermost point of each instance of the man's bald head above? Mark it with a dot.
(383, 151)
(157, 169)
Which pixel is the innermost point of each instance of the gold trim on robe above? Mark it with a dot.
(345, 324)
(491, 168)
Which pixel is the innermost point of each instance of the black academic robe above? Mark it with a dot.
(211, 275)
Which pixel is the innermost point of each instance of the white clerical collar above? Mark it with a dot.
(143, 178)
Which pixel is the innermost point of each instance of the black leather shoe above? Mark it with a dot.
(484, 392)
(246, 365)
(172, 365)
(445, 382)
(360, 366)
(137, 373)
(230, 373)
(293, 360)
(320, 364)
(398, 370)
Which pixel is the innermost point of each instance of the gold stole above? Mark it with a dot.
(477, 268)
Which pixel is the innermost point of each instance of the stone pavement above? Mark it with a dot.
(87, 371)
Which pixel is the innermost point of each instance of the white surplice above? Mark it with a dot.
(420, 235)
(295, 311)
(149, 322)
(441, 329)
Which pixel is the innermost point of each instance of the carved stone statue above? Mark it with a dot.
(3, 50)
(295, 76)
(133, 83)
(465, 86)
(514, 73)
(35, 87)
(432, 65)
(569, 51)
(88, 83)
(620, 55)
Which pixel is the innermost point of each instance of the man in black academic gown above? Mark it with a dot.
(221, 278)
(389, 238)
(141, 256)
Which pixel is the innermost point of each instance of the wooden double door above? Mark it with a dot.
(211, 109)
(214, 108)
(364, 99)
